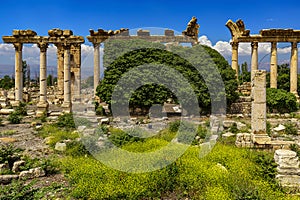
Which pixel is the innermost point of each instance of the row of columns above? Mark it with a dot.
(273, 64)
(65, 60)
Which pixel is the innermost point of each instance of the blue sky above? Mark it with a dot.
(80, 16)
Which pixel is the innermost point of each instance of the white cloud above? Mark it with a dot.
(6, 49)
(204, 41)
(224, 47)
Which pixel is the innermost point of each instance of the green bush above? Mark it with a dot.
(14, 118)
(119, 137)
(21, 109)
(9, 154)
(233, 128)
(57, 134)
(281, 100)
(290, 129)
(173, 126)
(66, 121)
(100, 111)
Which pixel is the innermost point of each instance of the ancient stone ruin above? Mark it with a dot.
(68, 51)
(274, 36)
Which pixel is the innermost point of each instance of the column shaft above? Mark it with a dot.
(234, 58)
(60, 70)
(43, 72)
(294, 69)
(254, 58)
(273, 67)
(18, 72)
(96, 66)
(67, 80)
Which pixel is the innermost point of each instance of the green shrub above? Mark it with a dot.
(269, 128)
(119, 137)
(66, 121)
(174, 126)
(14, 118)
(295, 147)
(9, 154)
(21, 109)
(100, 111)
(233, 128)
(290, 129)
(76, 148)
(281, 100)
(57, 134)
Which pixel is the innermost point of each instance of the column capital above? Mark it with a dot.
(96, 45)
(43, 46)
(18, 46)
(76, 45)
(254, 45)
(294, 45)
(66, 46)
(273, 45)
(234, 45)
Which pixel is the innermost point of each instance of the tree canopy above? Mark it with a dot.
(121, 57)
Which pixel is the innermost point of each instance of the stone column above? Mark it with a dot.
(18, 72)
(43, 104)
(60, 70)
(235, 58)
(76, 51)
(259, 108)
(96, 66)
(273, 67)
(294, 69)
(254, 58)
(67, 104)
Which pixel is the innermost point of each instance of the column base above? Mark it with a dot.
(67, 107)
(42, 107)
(260, 139)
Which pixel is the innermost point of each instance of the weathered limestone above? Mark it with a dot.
(254, 58)
(235, 57)
(96, 66)
(76, 72)
(288, 169)
(60, 69)
(67, 80)
(259, 108)
(18, 72)
(43, 104)
(61, 39)
(273, 67)
(294, 69)
(240, 34)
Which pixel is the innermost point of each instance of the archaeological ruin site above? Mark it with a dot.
(248, 123)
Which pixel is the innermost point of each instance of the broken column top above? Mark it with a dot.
(56, 32)
(101, 32)
(28, 33)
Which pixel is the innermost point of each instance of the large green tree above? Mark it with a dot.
(122, 56)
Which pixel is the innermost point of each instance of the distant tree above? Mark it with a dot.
(283, 78)
(245, 74)
(25, 70)
(6, 82)
(49, 80)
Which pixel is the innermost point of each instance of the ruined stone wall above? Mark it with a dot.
(288, 169)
